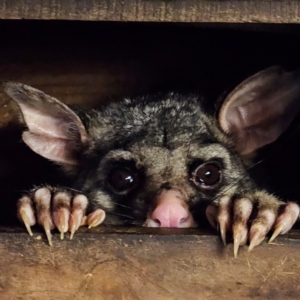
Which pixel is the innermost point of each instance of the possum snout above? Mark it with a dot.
(170, 211)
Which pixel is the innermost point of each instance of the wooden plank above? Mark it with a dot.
(237, 11)
(137, 265)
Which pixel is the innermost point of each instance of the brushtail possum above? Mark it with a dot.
(151, 160)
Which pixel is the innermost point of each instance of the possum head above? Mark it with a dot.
(152, 160)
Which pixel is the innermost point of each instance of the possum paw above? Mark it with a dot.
(250, 218)
(57, 208)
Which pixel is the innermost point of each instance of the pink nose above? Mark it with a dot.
(170, 212)
(169, 216)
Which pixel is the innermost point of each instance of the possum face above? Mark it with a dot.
(158, 176)
(162, 187)
(152, 160)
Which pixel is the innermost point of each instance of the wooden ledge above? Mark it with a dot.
(236, 11)
(138, 264)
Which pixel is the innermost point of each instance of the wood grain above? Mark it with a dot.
(237, 11)
(137, 265)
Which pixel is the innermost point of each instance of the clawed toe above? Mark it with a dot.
(57, 209)
(250, 221)
(286, 220)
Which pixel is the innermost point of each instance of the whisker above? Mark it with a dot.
(244, 175)
(231, 186)
(121, 215)
(122, 205)
(68, 188)
(114, 202)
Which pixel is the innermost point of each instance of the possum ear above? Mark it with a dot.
(261, 108)
(54, 130)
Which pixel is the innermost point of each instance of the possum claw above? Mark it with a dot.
(278, 230)
(222, 225)
(55, 208)
(257, 238)
(260, 227)
(286, 220)
(79, 205)
(26, 221)
(224, 216)
(47, 228)
(250, 218)
(60, 219)
(75, 222)
(72, 232)
(26, 213)
(95, 218)
(236, 245)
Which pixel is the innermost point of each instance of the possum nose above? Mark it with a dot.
(170, 211)
(169, 215)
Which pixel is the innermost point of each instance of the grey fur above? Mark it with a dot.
(163, 135)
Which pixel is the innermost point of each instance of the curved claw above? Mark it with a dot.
(286, 220)
(80, 203)
(276, 232)
(47, 228)
(265, 206)
(53, 207)
(256, 240)
(222, 225)
(62, 222)
(96, 218)
(26, 213)
(236, 245)
(26, 221)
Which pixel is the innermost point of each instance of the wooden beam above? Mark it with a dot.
(236, 11)
(107, 264)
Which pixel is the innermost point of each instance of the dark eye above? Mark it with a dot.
(122, 179)
(207, 174)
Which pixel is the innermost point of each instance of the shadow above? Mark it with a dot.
(20, 169)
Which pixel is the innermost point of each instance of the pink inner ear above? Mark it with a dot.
(260, 109)
(44, 124)
(55, 149)
(55, 131)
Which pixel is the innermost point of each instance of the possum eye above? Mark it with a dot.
(122, 179)
(207, 175)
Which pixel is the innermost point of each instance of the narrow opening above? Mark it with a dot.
(90, 63)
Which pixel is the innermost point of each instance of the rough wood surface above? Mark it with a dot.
(103, 264)
(238, 11)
